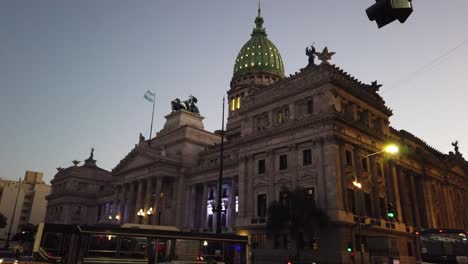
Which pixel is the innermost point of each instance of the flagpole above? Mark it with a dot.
(152, 115)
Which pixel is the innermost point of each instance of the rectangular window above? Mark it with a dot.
(102, 246)
(379, 166)
(283, 198)
(310, 106)
(238, 102)
(383, 208)
(233, 104)
(132, 247)
(351, 202)
(368, 204)
(261, 166)
(283, 162)
(349, 157)
(306, 157)
(261, 205)
(364, 164)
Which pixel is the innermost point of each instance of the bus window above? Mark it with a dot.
(52, 243)
(187, 250)
(132, 247)
(102, 246)
(212, 250)
(234, 253)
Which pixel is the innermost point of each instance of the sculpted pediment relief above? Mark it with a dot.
(309, 174)
(135, 161)
(260, 183)
(282, 179)
(458, 170)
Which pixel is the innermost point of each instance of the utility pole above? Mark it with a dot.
(219, 209)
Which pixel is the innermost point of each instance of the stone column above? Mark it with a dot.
(344, 191)
(242, 182)
(203, 205)
(232, 203)
(116, 201)
(138, 199)
(416, 217)
(375, 210)
(295, 162)
(121, 208)
(179, 205)
(157, 199)
(131, 213)
(148, 200)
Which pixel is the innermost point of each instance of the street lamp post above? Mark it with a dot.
(140, 215)
(149, 213)
(390, 149)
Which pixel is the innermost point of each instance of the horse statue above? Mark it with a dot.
(177, 105)
(190, 104)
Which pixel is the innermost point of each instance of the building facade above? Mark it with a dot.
(318, 129)
(29, 196)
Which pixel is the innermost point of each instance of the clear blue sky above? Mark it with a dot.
(73, 73)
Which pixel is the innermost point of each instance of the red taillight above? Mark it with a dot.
(417, 233)
(289, 262)
(198, 258)
(441, 231)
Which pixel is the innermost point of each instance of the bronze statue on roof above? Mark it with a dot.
(188, 105)
(310, 52)
(455, 145)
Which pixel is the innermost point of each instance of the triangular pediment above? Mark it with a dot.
(135, 159)
(458, 169)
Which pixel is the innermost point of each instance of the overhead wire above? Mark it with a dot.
(413, 75)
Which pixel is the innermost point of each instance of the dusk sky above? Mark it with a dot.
(73, 73)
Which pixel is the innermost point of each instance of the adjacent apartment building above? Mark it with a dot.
(29, 196)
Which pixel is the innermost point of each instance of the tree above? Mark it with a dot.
(3, 221)
(297, 214)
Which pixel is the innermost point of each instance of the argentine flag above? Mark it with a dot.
(149, 96)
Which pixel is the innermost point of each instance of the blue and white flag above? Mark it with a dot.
(149, 96)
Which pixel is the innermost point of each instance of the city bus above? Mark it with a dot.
(127, 244)
(442, 246)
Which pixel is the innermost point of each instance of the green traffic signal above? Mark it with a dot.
(391, 215)
(349, 249)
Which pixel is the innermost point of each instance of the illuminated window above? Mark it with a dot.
(209, 208)
(238, 102)
(233, 104)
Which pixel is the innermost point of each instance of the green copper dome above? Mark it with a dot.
(259, 55)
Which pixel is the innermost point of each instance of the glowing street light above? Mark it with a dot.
(391, 149)
(140, 215)
(149, 213)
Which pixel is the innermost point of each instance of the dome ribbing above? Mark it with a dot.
(259, 55)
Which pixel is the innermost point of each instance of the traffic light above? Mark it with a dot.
(390, 211)
(350, 249)
(386, 11)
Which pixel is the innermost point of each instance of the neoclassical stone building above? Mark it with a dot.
(314, 130)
